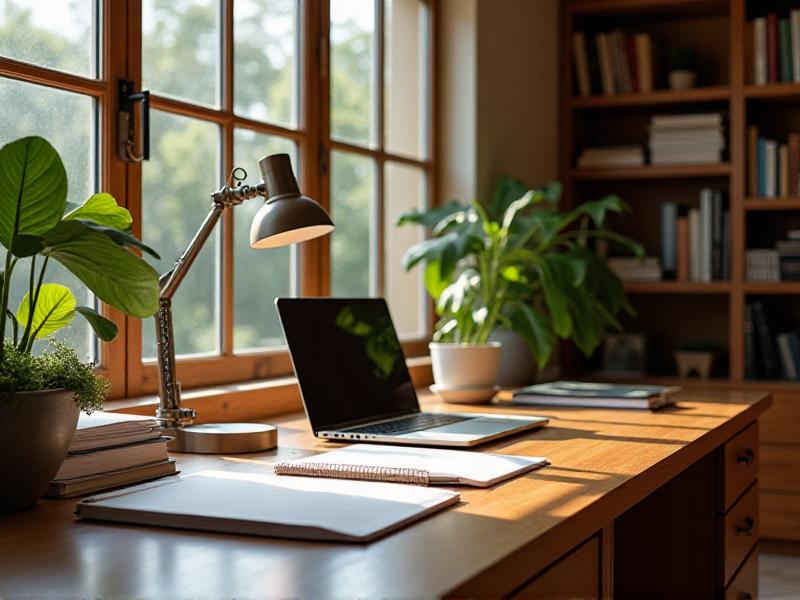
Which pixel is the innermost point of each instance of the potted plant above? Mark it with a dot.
(41, 395)
(683, 69)
(519, 264)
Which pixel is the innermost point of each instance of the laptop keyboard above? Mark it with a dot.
(416, 422)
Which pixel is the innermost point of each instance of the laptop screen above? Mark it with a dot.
(347, 359)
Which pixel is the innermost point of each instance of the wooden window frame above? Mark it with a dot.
(121, 40)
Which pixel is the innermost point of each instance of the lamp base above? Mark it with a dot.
(224, 438)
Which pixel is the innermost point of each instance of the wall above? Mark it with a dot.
(498, 95)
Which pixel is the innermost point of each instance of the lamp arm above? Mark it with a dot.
(170, 413)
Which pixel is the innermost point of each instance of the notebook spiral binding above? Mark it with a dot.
(360, 472)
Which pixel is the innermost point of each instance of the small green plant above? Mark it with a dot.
(683, 59)
(523, 265)
(93, 241)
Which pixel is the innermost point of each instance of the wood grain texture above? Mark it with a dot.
(603, 463)
(739, 466)
(739, 530)
(744, 585)
(779, 470)
(576, 575)
(780, 516)
(779, 425)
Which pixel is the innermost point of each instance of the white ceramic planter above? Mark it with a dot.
(465, 365)
(682, 80)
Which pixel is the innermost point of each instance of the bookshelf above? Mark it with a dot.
(672, 313)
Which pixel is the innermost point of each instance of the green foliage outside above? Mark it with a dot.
(92, 241)
(520, 264)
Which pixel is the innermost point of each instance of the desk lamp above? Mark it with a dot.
(287, 217)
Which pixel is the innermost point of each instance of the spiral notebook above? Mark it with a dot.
(420, 466)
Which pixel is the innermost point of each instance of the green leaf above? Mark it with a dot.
(26, 245)
(105, 329)
(115, 275)
(597, 209)
(534, 328)
(557, 287)
(33, 184)
(102, 209)
(55, 308)
(516, 206)
(430, 217)
(506, 191)
(68, 230)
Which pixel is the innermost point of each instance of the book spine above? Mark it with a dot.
(716, 235)
(794, 351)
(772, 369)
(785, 354)
(595, 78)
(644, 62)
(726, 246)
(621, 62)
(752, 161)
(770, 168)
(794, 163)
(633, 68)
(694, 243)
(760, 160)
(785, 34)
(783, 171)
(706, 208)
(581, 63)
(669, 235)
(751, 370)
(683, 249)
(772, 48)
(760, 50)
(606, 72)
(794, 25)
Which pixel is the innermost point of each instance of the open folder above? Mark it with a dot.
(265, 505)
(421, 466)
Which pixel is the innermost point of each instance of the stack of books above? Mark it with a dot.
(767, 356)
(695, 242)
(773, 168)
(789, 256)
(110, 450)
(632, 268)
(776, 48)
(686, 139)
(611, 156)
(612, 63)
(763, 264)
(596, 395)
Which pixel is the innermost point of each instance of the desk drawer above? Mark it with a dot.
(740, 466)
(745, 585)
(779, 470)
(576, 575)
(739, 532)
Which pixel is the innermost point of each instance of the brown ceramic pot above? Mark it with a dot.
(36, 429)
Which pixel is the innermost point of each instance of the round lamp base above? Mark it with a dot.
(224, 438)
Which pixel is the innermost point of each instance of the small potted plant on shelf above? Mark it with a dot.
(683, 69)
(42, 394)
(696, 359)
(519, 264)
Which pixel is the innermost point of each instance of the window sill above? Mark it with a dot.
(249, 400)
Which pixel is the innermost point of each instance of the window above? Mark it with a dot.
(342, 86)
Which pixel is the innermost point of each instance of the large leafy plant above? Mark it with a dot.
(93, 241)
(520, 264)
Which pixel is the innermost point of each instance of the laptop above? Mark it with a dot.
(355, 385)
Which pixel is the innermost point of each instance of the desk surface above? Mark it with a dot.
(603, 462)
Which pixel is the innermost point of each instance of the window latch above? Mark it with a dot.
(126, 138)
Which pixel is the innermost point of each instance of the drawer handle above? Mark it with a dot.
(748, 528)
(747, 457)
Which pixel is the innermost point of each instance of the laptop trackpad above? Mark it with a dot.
(465, 430)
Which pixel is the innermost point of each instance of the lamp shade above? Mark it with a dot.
(287, 216)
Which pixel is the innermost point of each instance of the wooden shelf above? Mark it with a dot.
(789, 288)
(670, 9)
(778, 92)
(772, 204)
(651, 172)
(656, 98)
(677, 287)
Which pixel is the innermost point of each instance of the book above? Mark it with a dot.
(785, 353)
(581, 62)
(264, 505)
(606, 69)
(716, 234)
(644, 61)
(684, 249)
(695, 244)
(89, 484)
(630, 55)
(595, 78)
(794, 27)
(785, 43)
(92, 462)
(751, 366)
(706, 226)
(760, 70)
(766, 341)
(669, 239)
(770, 168)
(794, 351)
(783, 171)
(621, 70)
(752, 161)
(597, 395)
(102, 429)
(773, 68)
(396, 464)
(794, 163)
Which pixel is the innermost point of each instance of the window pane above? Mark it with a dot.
(405, 93)
(260, 276)
(352, 210)
(353, 60)
(56, 35)
(182, 49)
(177, 183)
(265, 53)
(33, 110)
(404, 190)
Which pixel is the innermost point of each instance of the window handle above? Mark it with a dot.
(126, 139)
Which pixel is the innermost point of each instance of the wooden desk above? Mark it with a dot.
(630, 495)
